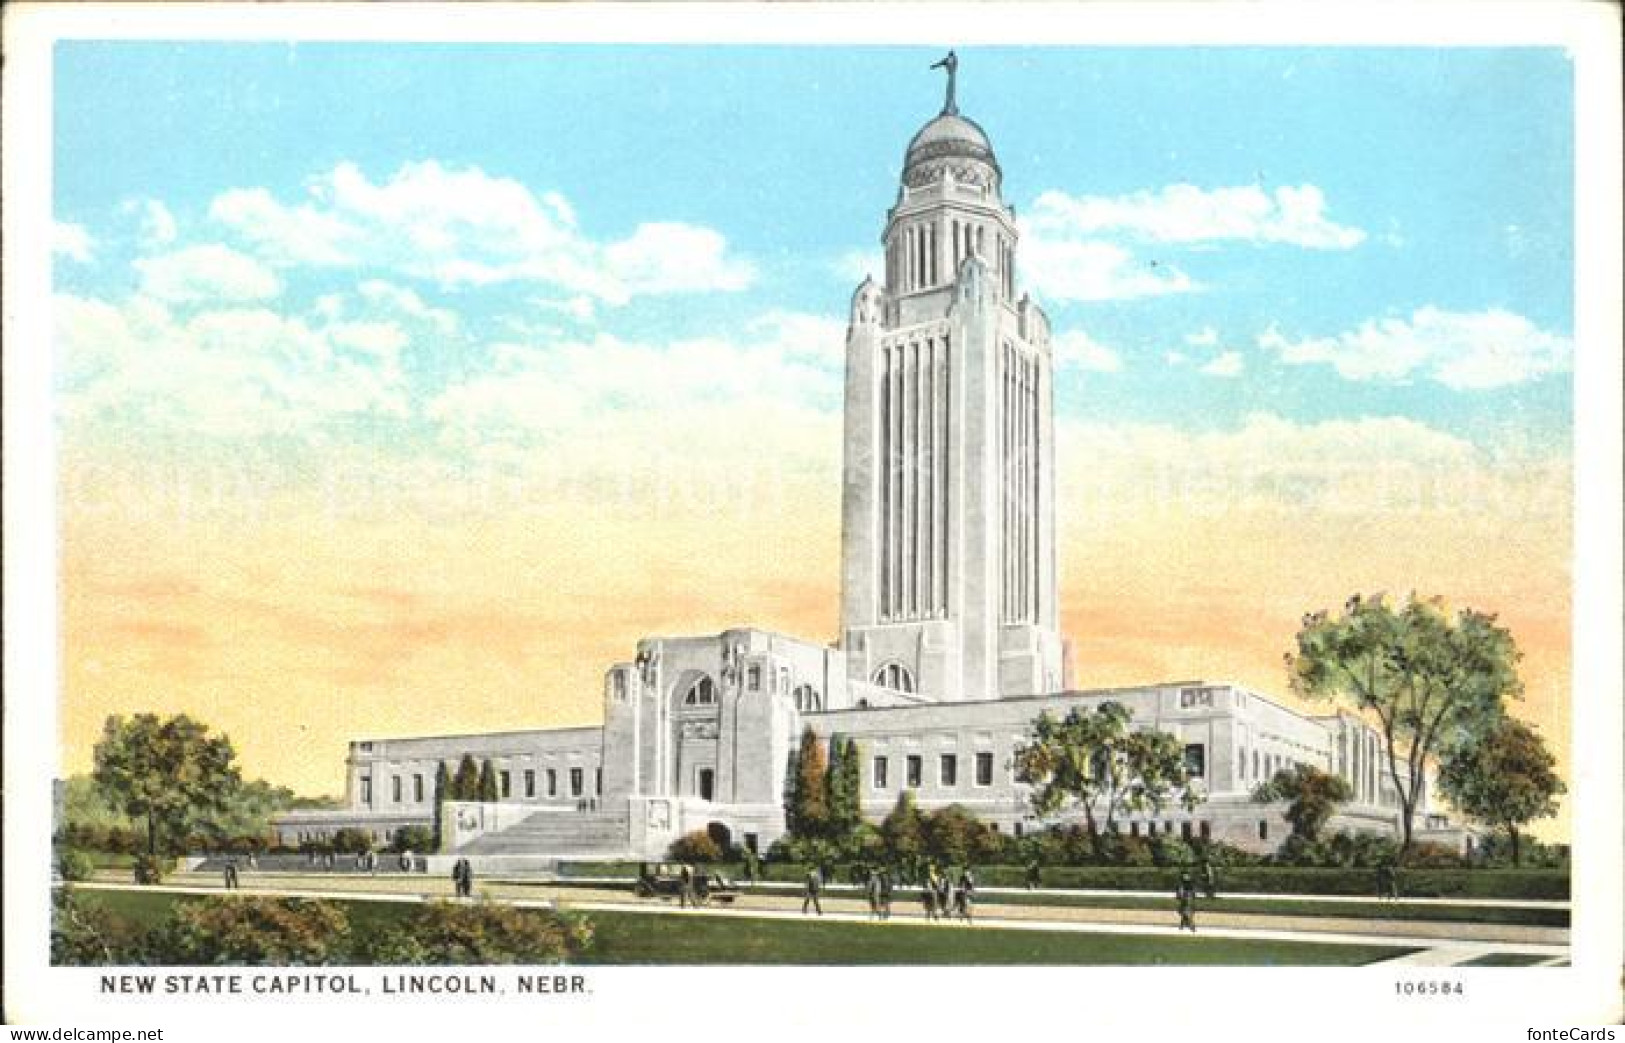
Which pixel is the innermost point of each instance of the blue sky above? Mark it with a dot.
(1439, 229)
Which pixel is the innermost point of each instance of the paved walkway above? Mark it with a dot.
(1443, 944)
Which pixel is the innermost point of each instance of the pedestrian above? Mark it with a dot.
(685, 887)
(932, 893)
(231, 872)
(965, 893)
(885, 894)
(750, 866)
(872, 892)
(253, 862)
(1185, 895)
(928, 899)
(1393, 882)
(1034, 875)
(944, 890)
(814, 884)
(1210, 879)
(1385, 881)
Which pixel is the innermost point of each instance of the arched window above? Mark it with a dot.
(895, 676)
(807, 700)
(701, 693)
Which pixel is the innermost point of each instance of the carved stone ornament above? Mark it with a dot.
(659, 816)
(699, 729)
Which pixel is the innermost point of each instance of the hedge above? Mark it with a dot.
(1286, 880)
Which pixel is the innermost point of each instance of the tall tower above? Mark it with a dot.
(948, 499)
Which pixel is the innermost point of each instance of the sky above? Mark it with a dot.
(402, 388)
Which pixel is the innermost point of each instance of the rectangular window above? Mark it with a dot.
(530, 782)
(1196, 760)
(366, 789)
(504, 783)
(1263, 830)
(598, 781)
(552, 782)
(575, 782)
(620, 684)
(1133, 829)
(1207, 830)
(755, 678)
(914, 772)
(880, 773)
(417, 788)
(984, 768)
(1185, 830)
(395, 789)
(948, 770)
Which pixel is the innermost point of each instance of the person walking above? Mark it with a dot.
(1210, 879)
(965, 893)
(231, 872)
(1034, 875)
(944, 891)
(810, 891)
(1185, 895)
(885, 894)
(1385, 880)
(871, 891)
(685, 887)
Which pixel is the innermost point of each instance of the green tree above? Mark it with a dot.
(488, 783)
(465, 785)
(845, 787)
(86, 933)
(1430, 678)
(1092, 758)
(442, 793)
(1507, 778)
(903, 829)
(957, 837)
(807, 809)
(167, 774)
(1313, 795)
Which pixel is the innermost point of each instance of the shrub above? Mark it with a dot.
(86, 934)
(352, 841)
(1172, 851)
(150, 869)
(75, 865)
(694, 847)
(448, 933)
(412, 838)
(253, 931)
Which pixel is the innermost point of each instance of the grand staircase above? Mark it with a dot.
(575, 834)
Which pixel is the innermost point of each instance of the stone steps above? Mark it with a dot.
(556, 833)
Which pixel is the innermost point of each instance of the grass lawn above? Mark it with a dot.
(656, 938)
(1260, 906)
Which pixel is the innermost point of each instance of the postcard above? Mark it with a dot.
(793, 519)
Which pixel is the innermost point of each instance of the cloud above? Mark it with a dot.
(227, 372)
(1075, 349)
(1206, 337)
(595, 390)
(463, 227)
(1466, 351)
(1228, 364)
(208, 272)
(1292, 215)
(1091, 270)
(71, 241)
(158, 226)
(1365, 465)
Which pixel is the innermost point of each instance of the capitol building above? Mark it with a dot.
(950, 643)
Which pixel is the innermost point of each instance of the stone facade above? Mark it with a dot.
(950, 643)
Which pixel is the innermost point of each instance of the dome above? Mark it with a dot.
(951, 142)
(949, 135)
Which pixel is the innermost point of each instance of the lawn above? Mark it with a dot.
(659, 938)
